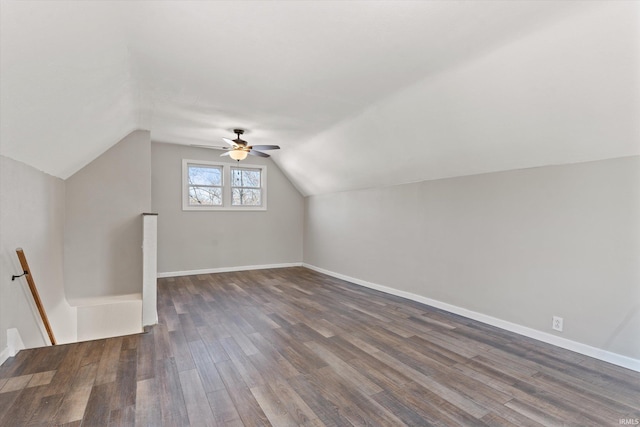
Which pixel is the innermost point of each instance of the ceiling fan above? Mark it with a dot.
(238, 148)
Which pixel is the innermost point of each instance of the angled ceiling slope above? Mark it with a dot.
(66, 89)
(357, 94)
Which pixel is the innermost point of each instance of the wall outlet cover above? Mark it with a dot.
(557, 324)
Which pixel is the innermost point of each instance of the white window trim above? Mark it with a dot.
(226, 186)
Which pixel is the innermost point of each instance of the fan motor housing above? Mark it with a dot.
(238, 140)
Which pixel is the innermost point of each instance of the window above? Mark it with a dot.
(205, 185)
(246, 187)
(223, 186)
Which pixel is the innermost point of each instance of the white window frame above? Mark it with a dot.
(226, 186)
(233, 187)
(185, 182)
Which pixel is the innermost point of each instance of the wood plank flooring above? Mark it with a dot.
(288, 347)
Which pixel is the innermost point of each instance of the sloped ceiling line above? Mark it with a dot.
(349, 90)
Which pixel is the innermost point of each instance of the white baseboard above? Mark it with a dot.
(587, 350)
(226, 269)
(14, 344)
(4, 355)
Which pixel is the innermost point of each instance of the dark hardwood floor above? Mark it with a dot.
(294, 347)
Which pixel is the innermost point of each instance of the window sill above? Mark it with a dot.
(226, 209)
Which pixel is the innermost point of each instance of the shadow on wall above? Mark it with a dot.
(123, 259)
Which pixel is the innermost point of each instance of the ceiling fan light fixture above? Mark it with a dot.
(238, 154)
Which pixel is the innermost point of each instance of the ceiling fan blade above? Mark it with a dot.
(265, 147)
(258, 153)
(230, 142)
(213, 147)
(226, 154)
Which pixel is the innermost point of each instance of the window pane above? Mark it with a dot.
(245, 177)
(246, 197)
(207, 196)
(205, 175)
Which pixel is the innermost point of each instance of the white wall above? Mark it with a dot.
(32, 217)
(520, 246)
(103, 229)
(190, 240)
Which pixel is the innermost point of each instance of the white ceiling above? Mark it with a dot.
(357, 94)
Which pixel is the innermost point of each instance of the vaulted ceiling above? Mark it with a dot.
(358, 94)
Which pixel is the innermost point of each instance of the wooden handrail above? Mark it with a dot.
(34, 293)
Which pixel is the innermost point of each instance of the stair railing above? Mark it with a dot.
(34, 293)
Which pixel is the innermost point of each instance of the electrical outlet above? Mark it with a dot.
(557, 323)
